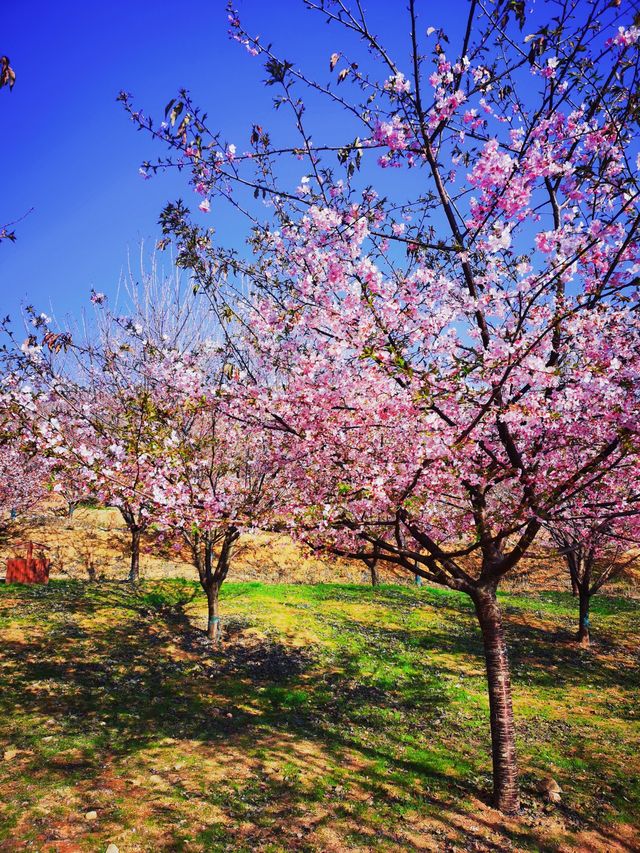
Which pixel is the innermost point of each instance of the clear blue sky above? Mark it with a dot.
(68, 150)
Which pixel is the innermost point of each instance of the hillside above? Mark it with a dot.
(94, 542)
(97, 540)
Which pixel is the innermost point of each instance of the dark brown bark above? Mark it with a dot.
(503, 740)
(372, 563)
(583, 628)
(580, 562)
(574, 584)
(212, 576)
(134, 569)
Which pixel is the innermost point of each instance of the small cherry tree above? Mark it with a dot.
(595, 555)
(88, 415)
(453, 353)
(23, 474)
(214, 478)
(95, 426)
(22, 481)
(144, 410)
(92, 407)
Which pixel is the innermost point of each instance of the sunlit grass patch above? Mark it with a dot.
(333, 717)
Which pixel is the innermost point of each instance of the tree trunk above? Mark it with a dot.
(503, 740)
(583, 629)
(574, 584)
(213, 623)
(375, 576)
(134, 571)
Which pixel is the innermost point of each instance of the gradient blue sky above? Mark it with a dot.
(70, 152)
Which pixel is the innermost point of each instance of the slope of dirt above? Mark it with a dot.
(95, 543)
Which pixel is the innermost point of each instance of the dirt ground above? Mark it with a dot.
(97, 540)
(95, 543)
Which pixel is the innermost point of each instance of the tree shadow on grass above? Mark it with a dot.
(549, 657)
(125, 685)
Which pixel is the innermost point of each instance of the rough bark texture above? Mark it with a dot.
(134, 570)
(212, 572)
(213, 622)
(583, 629)
(503, 742)
(574, 584)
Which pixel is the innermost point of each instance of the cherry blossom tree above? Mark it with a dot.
(96, 428)
(214, 478)
(598, 553)
(453, 354)
(23, 475)
(22, 481)
(211, 478)
(69, 488)
(141, 409)
(91, 409)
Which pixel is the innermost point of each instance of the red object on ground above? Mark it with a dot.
(28, 569)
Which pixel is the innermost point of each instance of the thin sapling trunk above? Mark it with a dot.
(134, 568)
(372, 564)
(135, 529)
(583, 636)
(212, 576)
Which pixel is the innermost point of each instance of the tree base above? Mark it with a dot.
(584, 640)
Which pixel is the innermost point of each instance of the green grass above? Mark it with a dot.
(335, 717)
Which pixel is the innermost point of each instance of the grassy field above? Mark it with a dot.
(335, 718)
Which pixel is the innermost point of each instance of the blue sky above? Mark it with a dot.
(68, 149)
